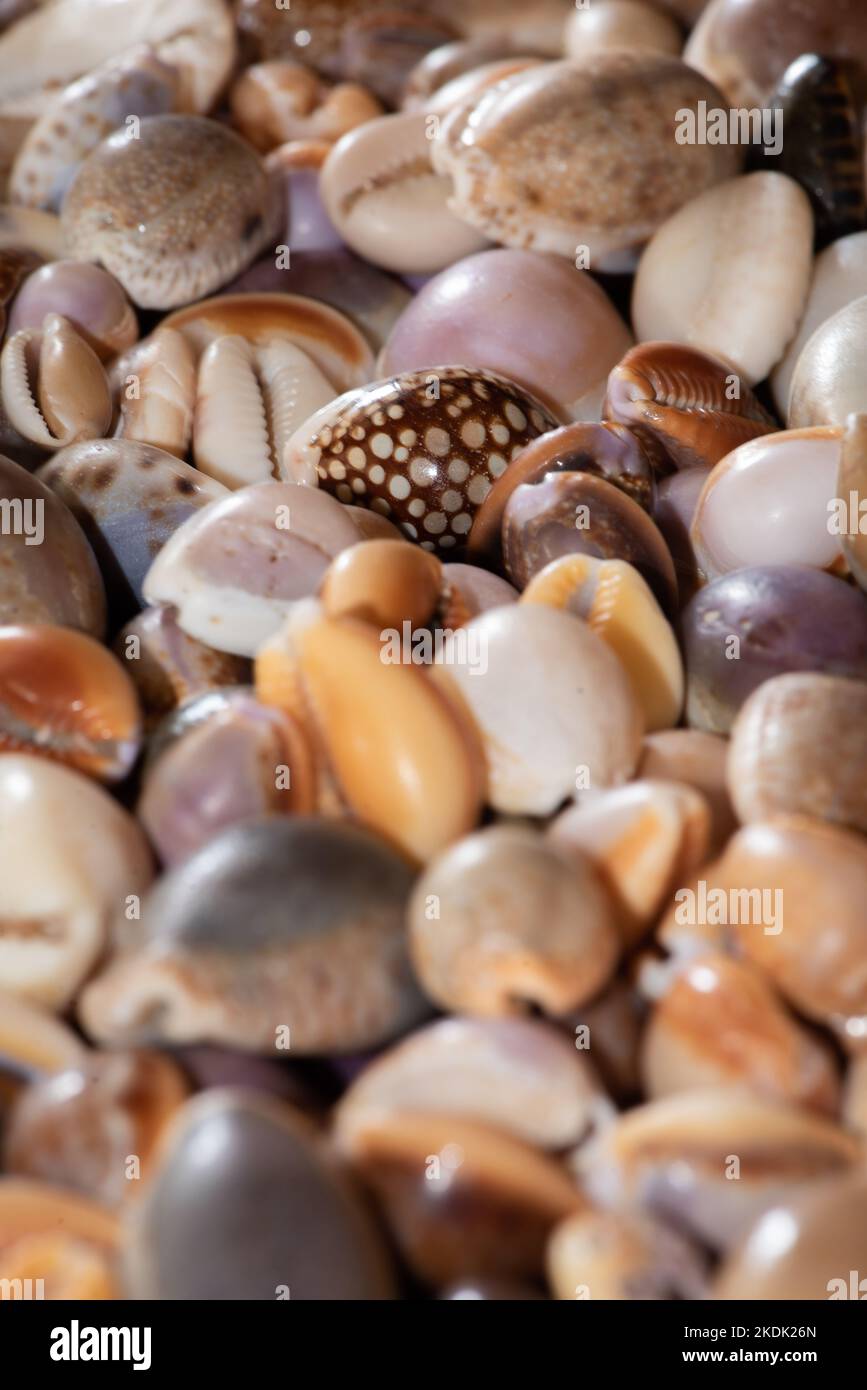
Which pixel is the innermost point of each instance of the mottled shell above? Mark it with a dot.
(555, 708)
(614, 600)
(830, 376)
(424, 448)
(532, 158)
(689, 408)
(173, 210)
(729, 273)
(799, 746)
(769, 502)
(65, 697)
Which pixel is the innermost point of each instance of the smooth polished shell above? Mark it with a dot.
(533, 318)
(803, 1250)
(173, 211)
(504, 919)
(600, 27)
(469, 591)
(130, 499)
(554, 706)
(54, 388)
(406, 758)
(516, 1074)
(234, 570)
(698, 759)
(531, 159)
(799, 746)
(768, 503)
(70, 860)
(675, 1157)
(388, 202)
(673, 511)
(729, 272)
(91, 299)
(645, 839)
(719, 1022)
(64, 697)
(81, 1127)
(16, 267)
(745, 46)
(274, 1217)
(34, 1042)
(839, 276)
(852, 491)
(48, 572)
(614, 600)
(287, 923)
(577, 513)
(830, 376)
(622, 1256)
(167, 667)
(423, 448)
(384, 583)
(688, 408)
(751, 624)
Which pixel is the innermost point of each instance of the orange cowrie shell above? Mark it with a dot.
(799, 746)
(622, 1256)
(554, 706)
(505, 918)
(616, 603)
(645, 838)
(531, 157)
(713, 1160)
(689, 408)
(448, 1187)
(50, 1234)
(729, 273)
(517, 1074)
(65, 697)
(719, 1022)
(54, 388)
(388, 202)
(407, 759)
(852, 494)
(384, 583)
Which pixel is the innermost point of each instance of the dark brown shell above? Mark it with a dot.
(609, 451)
(425, 448)
(680, 401)
(15, 266)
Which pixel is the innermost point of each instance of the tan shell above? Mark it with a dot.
(467, 86)
(839, 276)
(64, 397)
(155, 385)
(272, 103)
(387, 201)
(384, 583)
(33, 1041)
(617, 603)
(406, 760)
(516, 1074)
(799, 747)
(531, 158)
(729, 273)
(622, 1256)
(31, 229)
(719, 1022)
(678, 1157)
(329, 339)
(645, 838)
(555, 708)
(504, 919)
(698, 759)
(830, 376)
(607, 24)
(852, 490)
(67, 1241)
(855, 1096)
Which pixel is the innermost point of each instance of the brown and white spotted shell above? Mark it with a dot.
(691, 407)
(424, 448)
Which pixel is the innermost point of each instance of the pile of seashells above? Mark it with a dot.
(433, 648)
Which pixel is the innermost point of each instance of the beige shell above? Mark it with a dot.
(719, 1022)
(532, 158)
(504, 919)
(617, 603)
(155, 386)
(387, 201)
(555, 708)
(607, 24)
(645, 838)
(622, 1256)
(275, 102)
(729, 273)
(70, 857)
(33, 1041)
(31, 229)
(713, 1159)
(852, 493)
(470, 85)
(839, 276)
(855, 1096)
(698, 759)
(54, 387)
(516, 1074)
(830, 377)
(799, 747)
(250, 400)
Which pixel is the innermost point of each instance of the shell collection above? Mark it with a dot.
(433, 649)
